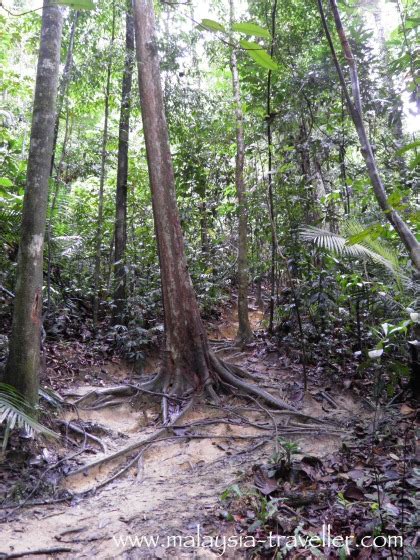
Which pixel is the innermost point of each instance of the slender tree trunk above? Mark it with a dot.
(61, 96)
(102, 177)
(395, 111)
(122, 173)
(204, 236)
(342, 160)
(64, 84)
(312, 214)
(355, 108)
(189, 366)
(22, 368)
(415, 96)
(58, 182)
(270, 178)
(244, 334)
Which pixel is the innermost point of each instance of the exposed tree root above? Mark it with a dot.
(71, 426)
(100, 398)
(120, 453)
(229, 374)
(173, 392)
(119, 473)
(165, 431)
(98, 394)
(300, 415)
(135, 445)
(176, 390)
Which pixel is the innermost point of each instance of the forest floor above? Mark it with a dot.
(214, 471)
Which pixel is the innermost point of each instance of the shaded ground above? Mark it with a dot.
(227, 451)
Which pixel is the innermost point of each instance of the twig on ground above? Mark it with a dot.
(35, 552)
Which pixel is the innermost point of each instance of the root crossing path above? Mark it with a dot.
(148, 501)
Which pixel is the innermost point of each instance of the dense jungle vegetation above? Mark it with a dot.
(189, 190)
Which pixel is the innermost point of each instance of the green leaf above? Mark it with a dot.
(415, 162)
(251, 29)
(16, 413)
(212, 25)
(258, 54)
(77, 4)
(412, 22)
(408, 147)
(5, 182)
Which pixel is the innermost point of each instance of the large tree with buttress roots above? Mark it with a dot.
(189, 366)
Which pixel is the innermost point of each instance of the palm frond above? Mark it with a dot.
(16, 413)
(69, 245)
(355, 232)
(368, 248)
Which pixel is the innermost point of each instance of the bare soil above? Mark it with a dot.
(176, 484)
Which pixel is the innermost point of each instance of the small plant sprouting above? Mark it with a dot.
(285, 450)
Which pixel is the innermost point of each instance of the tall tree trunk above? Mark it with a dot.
(244, 334)
(395, 111)
(61, 97)
(270, 178)
(189, 366)
(342, 160)
(356, 112)
(64, 84)
(58, 182)
(122, 172)
(22, 368)
(186, 340)
(102, 177)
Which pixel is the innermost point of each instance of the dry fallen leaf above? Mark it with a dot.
(406, 410)
(264, 484)
(353, 492)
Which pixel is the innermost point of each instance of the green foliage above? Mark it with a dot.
(286, 449)
(358, 244)
(348, 277)
(259, 55)
(15, 413)
(250, 28)
(212, 25)
(77, 4)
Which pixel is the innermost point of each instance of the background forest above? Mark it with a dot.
(316, 178)
(282, 214)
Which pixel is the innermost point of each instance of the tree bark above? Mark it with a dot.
(189, 366)
(270, 179)
(22, 368)
(58, 182)
(102, 177)
(186, 360)
(244, 334)
(395, 111)
(122, 173)
(356, 112)
(64, 84)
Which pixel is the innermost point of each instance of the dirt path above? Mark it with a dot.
(175, 486)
